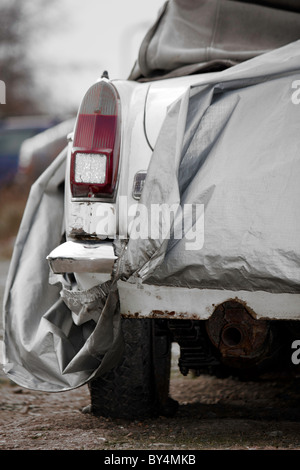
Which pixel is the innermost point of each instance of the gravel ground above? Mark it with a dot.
(213, 414)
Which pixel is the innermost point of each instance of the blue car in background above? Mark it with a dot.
(13, 132)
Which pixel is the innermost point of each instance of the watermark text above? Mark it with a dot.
(296, 354)
(155, 222)
(296, 94)
(2, 93)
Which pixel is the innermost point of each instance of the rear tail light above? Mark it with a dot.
(96, 145)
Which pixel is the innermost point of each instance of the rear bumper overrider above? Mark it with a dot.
(81, 257)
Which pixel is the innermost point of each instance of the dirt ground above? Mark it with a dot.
(213, 414)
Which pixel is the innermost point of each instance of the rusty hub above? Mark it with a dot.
(240, 338)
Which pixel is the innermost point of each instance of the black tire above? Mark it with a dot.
(139, 387)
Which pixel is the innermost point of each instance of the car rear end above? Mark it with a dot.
(108, 157)
(219, 331)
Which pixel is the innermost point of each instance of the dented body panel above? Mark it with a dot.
(150, 301)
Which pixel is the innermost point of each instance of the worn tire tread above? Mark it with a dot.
(128, 391)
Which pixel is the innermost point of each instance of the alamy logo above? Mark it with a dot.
(296, 354)
(2, 93)
(296, 93)
(157, 222)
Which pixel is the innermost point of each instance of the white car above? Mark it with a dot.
(220, 331)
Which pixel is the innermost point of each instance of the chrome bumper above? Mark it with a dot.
(79, 257)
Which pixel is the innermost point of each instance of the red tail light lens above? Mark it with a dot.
(96, 146)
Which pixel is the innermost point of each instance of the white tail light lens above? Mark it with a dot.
(90, 168)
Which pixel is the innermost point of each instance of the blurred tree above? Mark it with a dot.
(21, 23)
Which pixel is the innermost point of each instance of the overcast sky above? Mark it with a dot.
(93, 35)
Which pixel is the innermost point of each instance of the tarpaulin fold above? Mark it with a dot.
(230, 145)
(44, 348)
(192, 36)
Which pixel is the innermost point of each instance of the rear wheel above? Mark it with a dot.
(139, 387)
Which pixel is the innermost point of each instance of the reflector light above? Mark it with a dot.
(138, 184)
(96, 145)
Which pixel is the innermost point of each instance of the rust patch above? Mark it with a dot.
(79, 233)
(240, 301)
(131, 315)
(162, 314)
(249, 309)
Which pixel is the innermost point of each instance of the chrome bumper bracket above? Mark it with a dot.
(78, 257)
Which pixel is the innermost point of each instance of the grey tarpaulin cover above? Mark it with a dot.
(231, 144)
(44, 348)
(206, 35)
